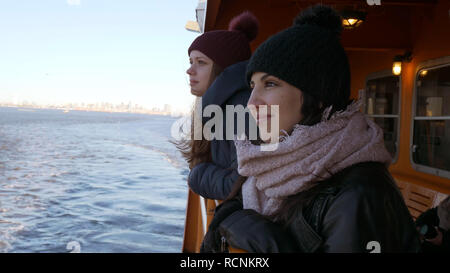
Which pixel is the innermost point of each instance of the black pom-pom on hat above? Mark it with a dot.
(322, 16)
(247, 23)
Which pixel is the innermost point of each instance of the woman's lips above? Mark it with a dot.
(262, 118)
(192, 82)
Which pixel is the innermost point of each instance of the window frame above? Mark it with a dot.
(429, 65)
(383, 74)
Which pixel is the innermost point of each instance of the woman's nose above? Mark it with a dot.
(254, 103)
(254, 99)
(190, 70)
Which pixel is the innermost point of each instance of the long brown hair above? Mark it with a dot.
(197, 151)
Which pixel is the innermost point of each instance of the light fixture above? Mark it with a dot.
(423, 73)
(352, 18)
(397, 62)
(397, 67)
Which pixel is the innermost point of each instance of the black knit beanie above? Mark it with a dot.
(309, 56)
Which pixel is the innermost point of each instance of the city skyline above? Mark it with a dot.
(129, 107)
(104, 103)
(71, 51)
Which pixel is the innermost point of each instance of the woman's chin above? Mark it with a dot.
(196, 93)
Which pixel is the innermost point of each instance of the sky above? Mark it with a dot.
(58, 51)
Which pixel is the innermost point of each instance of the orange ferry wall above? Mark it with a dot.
(387, 31)
(430, 39)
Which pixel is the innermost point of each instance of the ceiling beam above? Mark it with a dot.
(376, 49)
(212, 10)
(383, 2)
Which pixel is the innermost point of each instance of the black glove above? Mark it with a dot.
(212, 242)
(246, 229)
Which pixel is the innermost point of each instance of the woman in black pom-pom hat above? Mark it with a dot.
(217, 77)
(325, 187)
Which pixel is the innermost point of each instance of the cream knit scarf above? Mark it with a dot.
(310, 153)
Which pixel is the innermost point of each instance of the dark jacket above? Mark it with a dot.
(215, 179)
(360, 210)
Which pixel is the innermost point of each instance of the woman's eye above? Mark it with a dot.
(270, 84)
(201, 62)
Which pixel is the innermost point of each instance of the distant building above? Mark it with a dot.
(167, 108)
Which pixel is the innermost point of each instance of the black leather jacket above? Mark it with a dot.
(361, 210)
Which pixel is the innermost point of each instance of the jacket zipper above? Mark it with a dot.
(223, 246)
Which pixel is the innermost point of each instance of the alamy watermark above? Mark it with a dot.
(373, 247)
(238, 121)
(73, 247)
(373, 2)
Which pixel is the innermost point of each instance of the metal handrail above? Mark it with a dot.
(203, 209)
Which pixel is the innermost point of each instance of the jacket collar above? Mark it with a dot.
(231, 80)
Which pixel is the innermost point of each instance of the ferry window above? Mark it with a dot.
(431, 140)
(382, 106)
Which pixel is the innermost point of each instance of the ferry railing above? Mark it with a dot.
(204, 216)
(199, 214)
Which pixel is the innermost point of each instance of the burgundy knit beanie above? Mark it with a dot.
(227, 47)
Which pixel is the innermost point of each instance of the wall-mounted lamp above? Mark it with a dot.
(398, 60)
(352, 18)
(397, 67)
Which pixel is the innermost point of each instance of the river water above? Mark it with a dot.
(89, 182)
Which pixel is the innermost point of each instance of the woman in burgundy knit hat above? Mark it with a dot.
(217, 77)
